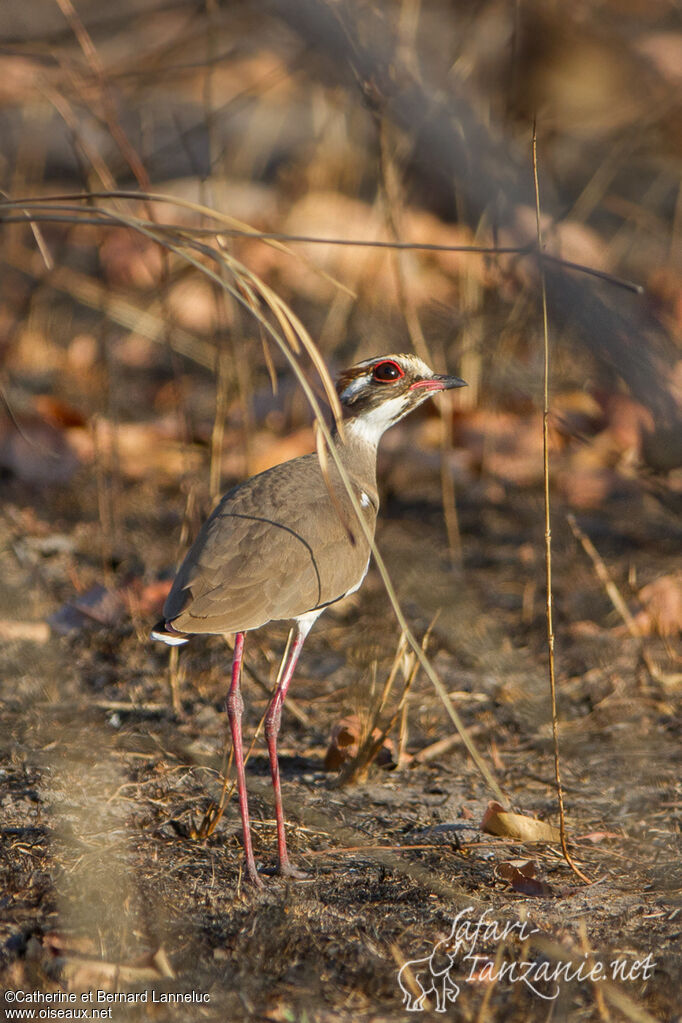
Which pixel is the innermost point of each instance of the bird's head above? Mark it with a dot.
(378, 392)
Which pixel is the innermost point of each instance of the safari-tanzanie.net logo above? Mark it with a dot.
(467, 956)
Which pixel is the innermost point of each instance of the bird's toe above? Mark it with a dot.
(289, 870)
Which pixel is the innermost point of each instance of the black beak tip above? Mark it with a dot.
(450, 382)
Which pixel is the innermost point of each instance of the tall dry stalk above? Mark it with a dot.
(548, 528)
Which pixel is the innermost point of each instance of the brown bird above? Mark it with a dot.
(286, 544)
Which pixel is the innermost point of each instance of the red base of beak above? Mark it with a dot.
(437, 383)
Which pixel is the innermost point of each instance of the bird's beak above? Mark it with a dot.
(438, 382)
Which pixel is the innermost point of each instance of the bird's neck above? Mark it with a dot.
(358, 452)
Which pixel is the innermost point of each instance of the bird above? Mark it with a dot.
(287, 544)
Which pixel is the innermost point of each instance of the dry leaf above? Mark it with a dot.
(97, 607)
(582, 629)
(129, 260)
(497, 821)
(146, 600)
(521, 876)
(662, 612)
(505, 444)
(627, 420)
(332, 215)
(194, 304)
(58, 412)
(269, 450)
(345, 742)
(586, 487)
(597, 836)
(664, 50)
(34, 450)
(138, 450)
(96, 974)
(81, 969)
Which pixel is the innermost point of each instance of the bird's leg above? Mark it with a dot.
(273, 720)
(235, 708)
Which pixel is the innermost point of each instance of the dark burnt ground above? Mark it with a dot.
(101, 783)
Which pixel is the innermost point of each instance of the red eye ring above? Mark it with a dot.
(387, 372)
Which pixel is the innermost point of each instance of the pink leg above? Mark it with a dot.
(273, 720)
(235, 708)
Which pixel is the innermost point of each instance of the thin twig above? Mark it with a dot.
(548, 532)
(108, 104)
(604, 577)
(279, 237)
(618, 602)
(370, 745)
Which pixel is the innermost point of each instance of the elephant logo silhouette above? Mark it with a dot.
(432, 975)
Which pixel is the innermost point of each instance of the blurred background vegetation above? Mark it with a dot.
(404, 122)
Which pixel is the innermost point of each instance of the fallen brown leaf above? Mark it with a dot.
(147, 599)
(269, 450)
(597, 836)
(505, 445)
(33, 449)
(130, 261)
(58, 412)
(98, 606)
(497, 821)
(662, 611)
(138, 450)
(522, 877)
(88, 974)
(345, 743)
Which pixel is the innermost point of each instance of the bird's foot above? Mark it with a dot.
(287, 869)
(252, 875)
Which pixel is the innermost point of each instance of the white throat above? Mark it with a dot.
(369, 427)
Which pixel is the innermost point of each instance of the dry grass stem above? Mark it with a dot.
(370, 744)
(548, 533)
(218, 431)
(667, 679)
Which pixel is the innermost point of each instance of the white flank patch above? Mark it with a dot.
(370, 426)
(170, 640)
(364, 500)
(306, 621)
(360, 581)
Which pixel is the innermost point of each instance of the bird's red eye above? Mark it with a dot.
(386, 372)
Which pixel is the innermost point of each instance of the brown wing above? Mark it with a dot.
(273, 549)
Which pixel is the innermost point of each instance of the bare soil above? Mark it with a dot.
(102, 784)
